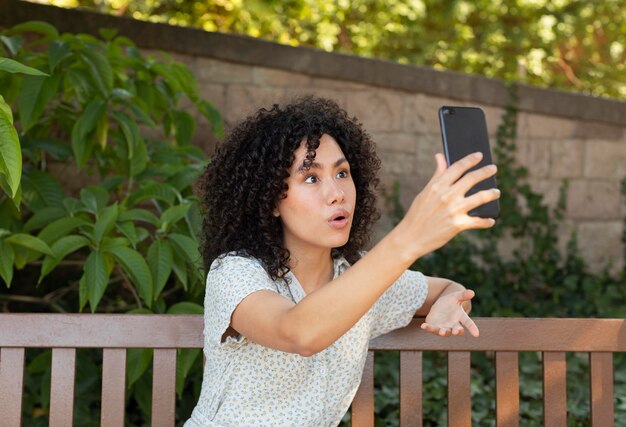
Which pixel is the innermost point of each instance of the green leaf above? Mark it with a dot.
(39, 27)
(135, 265)
(57, 51)
(185, 126)
(160, 260)
(85, 124)
(115, 242)
(13, 44)
(212, 115)
(59, 150)
(186, 307)
(187, 246)
(128, 229)
(184, 362)
(61, 248)
(10, 152)
(96, 278)
(41, 190)
(7, 256)
(172, 215)
(29, 242)
(139, 215)
(129, 130)
(42, 217)
(35, 94)
(59, 228)
(94, 198)
(77, 81)
(105, 223)
(107, 33)
(11, 66)
(152, 191)
(137, 361)
(100, 69)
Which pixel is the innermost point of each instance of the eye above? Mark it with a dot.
(310, 179)
(343, 174)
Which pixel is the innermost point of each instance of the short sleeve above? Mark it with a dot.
(229, 281)
(397, 306)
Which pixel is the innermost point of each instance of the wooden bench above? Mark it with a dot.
(64, 333)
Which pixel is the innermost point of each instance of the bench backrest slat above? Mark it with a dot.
(113, 387)
(363, 403)
(601, 388)
(11, 382)
(507, 389)
(62, 387)
(163, 387)
(554, 389)
(411, 388)
(459, 397)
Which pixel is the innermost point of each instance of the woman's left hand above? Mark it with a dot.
(447, 316)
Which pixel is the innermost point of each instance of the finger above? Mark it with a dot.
(444, 332)
(460, 167)
(469, 324)
(430, 328)
(479, 199)
(441, 164)
(472, 178)
(466, 295)
(458, 330)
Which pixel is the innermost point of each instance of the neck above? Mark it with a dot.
(313, 269)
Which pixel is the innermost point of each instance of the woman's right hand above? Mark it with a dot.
(440, 211)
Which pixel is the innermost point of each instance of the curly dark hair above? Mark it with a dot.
(246, 178)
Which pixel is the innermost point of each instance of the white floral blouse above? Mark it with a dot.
(246, 384)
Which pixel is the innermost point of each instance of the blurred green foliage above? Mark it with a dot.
(104, 215)
(575, 45)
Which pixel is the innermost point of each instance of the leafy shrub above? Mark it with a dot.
(119, 234)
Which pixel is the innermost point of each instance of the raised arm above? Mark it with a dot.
(436, 215)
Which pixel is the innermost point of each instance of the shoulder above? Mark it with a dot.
(232, 261)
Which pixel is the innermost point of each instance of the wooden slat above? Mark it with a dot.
(411, 389)
(507, 389)
(459, 398)
(62, 387)
(101, 330)
(113, 387)
(164, 387)
(11, 386)
(511, 334)
(601, 389)
(363, 403)
(554, 389)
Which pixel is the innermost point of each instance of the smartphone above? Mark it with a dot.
(464, 131)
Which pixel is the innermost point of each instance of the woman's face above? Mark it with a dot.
(319, 207)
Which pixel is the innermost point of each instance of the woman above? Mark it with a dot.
(291, 298)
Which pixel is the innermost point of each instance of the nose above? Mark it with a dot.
(335, 193)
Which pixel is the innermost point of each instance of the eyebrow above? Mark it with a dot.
(316, 165)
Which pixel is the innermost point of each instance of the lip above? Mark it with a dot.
(339, 223)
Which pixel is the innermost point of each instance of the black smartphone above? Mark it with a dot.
(464, 131)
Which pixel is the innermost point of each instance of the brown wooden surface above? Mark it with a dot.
(101, 330)
(113, 387)
(62, 387)
(163, 387)
(601, 389)
(11, 385)
(507, 389)
(411, 389)
(459, 399)
(554, 390)
(363, 402)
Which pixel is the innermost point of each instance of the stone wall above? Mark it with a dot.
(560, 135)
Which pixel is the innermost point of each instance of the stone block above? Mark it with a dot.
(537, 158)
(272, 77)
(596, 130)
(337, 96)
(605, 159)
(550, 189)
(421, 113)
(395, 141)
(395, 163)
(214, 71)
(545, 127)
(216, 95)
(378, 110)
(243, 100)
(593, 200)
(600, 244)
(566, 158)
(344, 85)
(426, 148)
